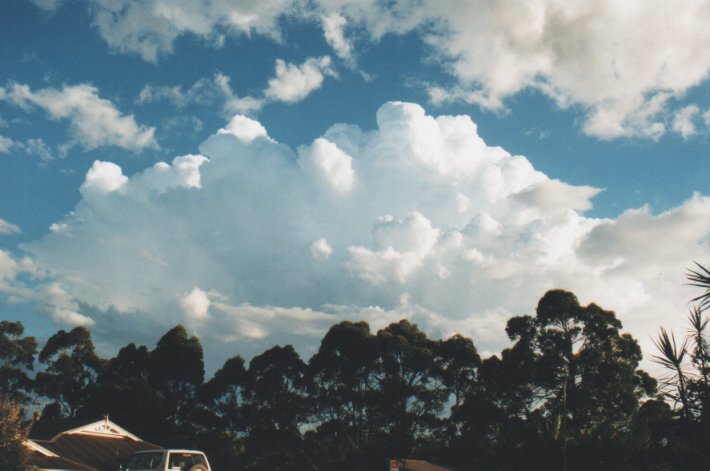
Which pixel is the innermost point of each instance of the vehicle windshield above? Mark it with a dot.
(144, 461)
(183, 461)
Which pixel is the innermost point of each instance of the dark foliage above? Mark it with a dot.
(17, 354)
(567, 394)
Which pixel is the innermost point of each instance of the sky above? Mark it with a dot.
(259, 171)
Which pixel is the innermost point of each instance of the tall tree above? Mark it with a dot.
(699, 387)
(220, 417)
(123, 391)
(459, 363)
(672, 356)
(275, 407)
(688, 361)
(176, 371)
(72, 369)
(412, 393)
(223, 395)
(342, 380)
(17, 354)
(584, 375)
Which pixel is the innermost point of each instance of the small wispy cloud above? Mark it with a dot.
(8, 228)
(94, 121)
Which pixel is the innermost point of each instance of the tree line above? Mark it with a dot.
(567, 394)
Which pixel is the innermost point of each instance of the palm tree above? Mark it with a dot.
(701, 350)
(672, 358)
(700, 277)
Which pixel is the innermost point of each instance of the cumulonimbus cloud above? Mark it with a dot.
(252, 243)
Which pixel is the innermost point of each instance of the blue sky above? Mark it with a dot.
(260, 171)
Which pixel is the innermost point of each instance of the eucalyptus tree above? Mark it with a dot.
(219, 418)
(17, 354)
(570, 381)
(71, 370)
(458, 365)
(123, 391)
(275, 407)
(176, 372)
(411, 392)
(342, 388)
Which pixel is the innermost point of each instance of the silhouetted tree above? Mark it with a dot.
(459, 363)
(672, 357)
(17, 354)
(342, 380)
(569, 384)
(275, 407)
(220, 417)
(123, 391)
(411, 390)
(176, 372)
(72, 369)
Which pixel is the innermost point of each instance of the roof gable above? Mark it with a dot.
(100, 445)
(102, 428)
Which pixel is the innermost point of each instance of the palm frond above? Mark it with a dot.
(700, 278)
(698, 324)
(670, 355)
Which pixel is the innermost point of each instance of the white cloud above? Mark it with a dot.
(554, 194)
(8, 228)
(49, 295)
(6, 144)
(95, 121)
(245, 129)
(196, 305)
(149, 28)
(623, 78)
(38, 148)
(104, 177)
(683, 121)
(334, 32)
(203, 92)
(320, 249)
(293, 83)
(8, 266)
(326, 163)
(48, 6)
(579, 53)
(435, 226)
(234, 104)
(63, 308)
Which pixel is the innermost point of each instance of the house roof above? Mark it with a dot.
(101, 445)
(421, 465)
(43, 462)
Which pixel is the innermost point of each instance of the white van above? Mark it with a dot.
(167, 460)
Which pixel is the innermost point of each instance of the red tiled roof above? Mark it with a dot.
(54, 462)
(421, 465)
(101, 453)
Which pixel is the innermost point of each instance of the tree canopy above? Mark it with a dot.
(566, 394)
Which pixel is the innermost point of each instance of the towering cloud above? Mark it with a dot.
(253, 243)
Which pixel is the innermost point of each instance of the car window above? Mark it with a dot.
(144, 461)
(184, 461)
